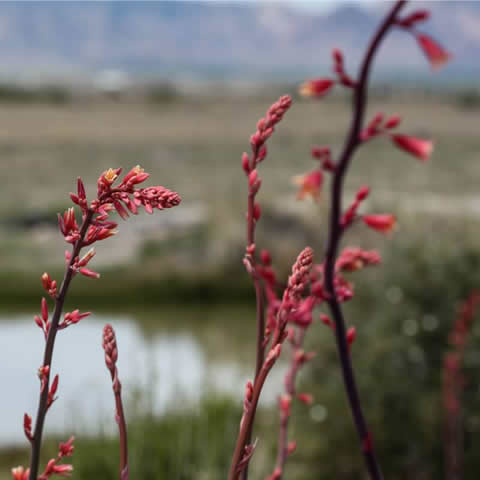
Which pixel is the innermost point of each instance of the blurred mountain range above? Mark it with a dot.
(220, 39)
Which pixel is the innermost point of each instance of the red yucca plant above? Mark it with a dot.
(281, 316)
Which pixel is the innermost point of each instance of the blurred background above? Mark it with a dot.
(178, 87)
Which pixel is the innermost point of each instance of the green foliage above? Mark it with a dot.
(182, 445)
(53, 94)
(468, 99)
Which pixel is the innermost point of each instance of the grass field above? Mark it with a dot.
(194, 147)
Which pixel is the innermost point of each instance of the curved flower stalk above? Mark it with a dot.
(341, 220)
(95, 226)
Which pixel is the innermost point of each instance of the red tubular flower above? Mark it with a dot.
(310, 184)
(316, 88)
(383, 223)
(420, 148)
(435, 53)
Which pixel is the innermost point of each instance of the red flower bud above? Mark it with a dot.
(316, 88)
(417, 147)
(383, 223)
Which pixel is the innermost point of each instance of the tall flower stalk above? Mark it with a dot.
(340, 220)
(95, 226)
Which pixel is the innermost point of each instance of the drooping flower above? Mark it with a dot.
(316, 87)
(418, 147)
(435, 53)
(310, 184)
(383, 223)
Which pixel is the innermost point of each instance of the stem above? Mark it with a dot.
(47, 357)
(290, 389)
(122, 426)
(260, 309)
(247, 421)
(335, 232)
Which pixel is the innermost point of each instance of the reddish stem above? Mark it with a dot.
(335, 233)
(247, 420)
(290, 380)
(49, 345)
(260, 308)
(122, 426)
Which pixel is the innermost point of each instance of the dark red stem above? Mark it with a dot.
(122, 426)
(335, 233)
(50, 342)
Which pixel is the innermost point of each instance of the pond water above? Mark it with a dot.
(165, 359)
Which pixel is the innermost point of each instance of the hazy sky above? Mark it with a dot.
(313, 4)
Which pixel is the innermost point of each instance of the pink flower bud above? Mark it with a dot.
(291, 447)
(246, 163)
(325, 319)
(320, 152)
(337, 56)
(121, 210)
(52, 392)
(393, 122)
(362, 193)
(66, 449)
(262, 154)
(417, 147)
(44, 310)
(273, 354)
(351, 335)
(316, 88)
(256, 140)
(81, 189)
(305, 398)
(27, 426)
(383, 223)
(89, 273)
(415, 17)
(284, 403)
(257, 211)
(265, 257)
(252, 177)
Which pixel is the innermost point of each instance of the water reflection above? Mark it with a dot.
(170, 364)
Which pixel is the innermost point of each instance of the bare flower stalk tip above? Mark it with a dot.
(109, 344)
(95, 225)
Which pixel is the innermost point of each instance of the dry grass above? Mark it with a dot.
(194, 146)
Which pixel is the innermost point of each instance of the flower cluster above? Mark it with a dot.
(435, 53)
(418, 147)
(54, 467)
